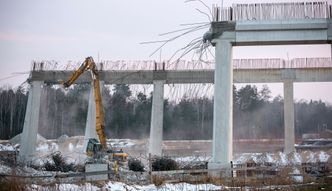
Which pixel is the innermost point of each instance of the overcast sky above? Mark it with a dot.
(70, 30)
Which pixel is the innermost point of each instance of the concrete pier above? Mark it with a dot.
(222, 146)
(90, 126)
(30, 128)
(157, 113)
(289, 117)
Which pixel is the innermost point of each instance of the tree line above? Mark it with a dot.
(256, 113)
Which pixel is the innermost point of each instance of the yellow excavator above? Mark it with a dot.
(94, 146)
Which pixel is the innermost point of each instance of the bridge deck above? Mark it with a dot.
(191, 76)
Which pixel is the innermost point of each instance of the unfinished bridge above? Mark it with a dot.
(241, 24)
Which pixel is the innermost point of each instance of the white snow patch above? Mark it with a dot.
(311, 157)
(114, 186)
(245, 157)
(239, 160)
(121, 142)
(192, 158)
(6, 147)
(74, 187)
(54, 147)
(323, 156)
(5, 169)
(65, 187)
(45, 147)
(40, 161)
(119, 186)
(70, 147)
(294, 158)
(283, 159)
(255, 158)
(42, 147)
(297, 178)
(297, 158)
(269, 158)
(186, 186)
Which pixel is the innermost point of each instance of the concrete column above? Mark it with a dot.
(90, 126)
(157, 113)
(289, 117)
(30, 127)
(222, 145)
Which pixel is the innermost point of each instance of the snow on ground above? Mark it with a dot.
(192, 158)
(323, 156)
(7, 147)
(269, 158)
(73, 152)
(297, 159)
(72, 148)
(5, 169)
(297, 177)
(282, 159)
(186, 186)
(244, 157)
(121, 142)
(65, 187)
(119, 186)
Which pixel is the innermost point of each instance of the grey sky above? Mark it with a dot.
(65, 30)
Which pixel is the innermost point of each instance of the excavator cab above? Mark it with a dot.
(93, 147)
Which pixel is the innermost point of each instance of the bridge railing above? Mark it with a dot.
(273, 11)
(270, 63)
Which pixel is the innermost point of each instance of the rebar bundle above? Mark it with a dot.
(273, 11)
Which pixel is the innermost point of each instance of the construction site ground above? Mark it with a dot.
(260, 151)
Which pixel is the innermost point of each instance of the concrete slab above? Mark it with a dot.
(99, 167)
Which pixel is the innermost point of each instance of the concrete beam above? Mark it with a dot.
(190, 76)
(289, 24)
(245, 38)
(278, 32)
(31, 122)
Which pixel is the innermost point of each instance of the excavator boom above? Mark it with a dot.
(89, 64)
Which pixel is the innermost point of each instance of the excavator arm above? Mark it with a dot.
(89, 64)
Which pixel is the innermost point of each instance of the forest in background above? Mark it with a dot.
(256, 114)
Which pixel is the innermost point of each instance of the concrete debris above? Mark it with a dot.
(62, 138)
(17, 139)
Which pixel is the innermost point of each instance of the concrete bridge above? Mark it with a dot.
(271, 24)
(320, 73)
(258, 24)
(246, 71)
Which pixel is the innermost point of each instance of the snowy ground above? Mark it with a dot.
(119, 186)
(72, 149)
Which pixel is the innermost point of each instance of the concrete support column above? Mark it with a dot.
(289, 117)
(30, 127)
(222, 146)
(157, 113)
(90, 126)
